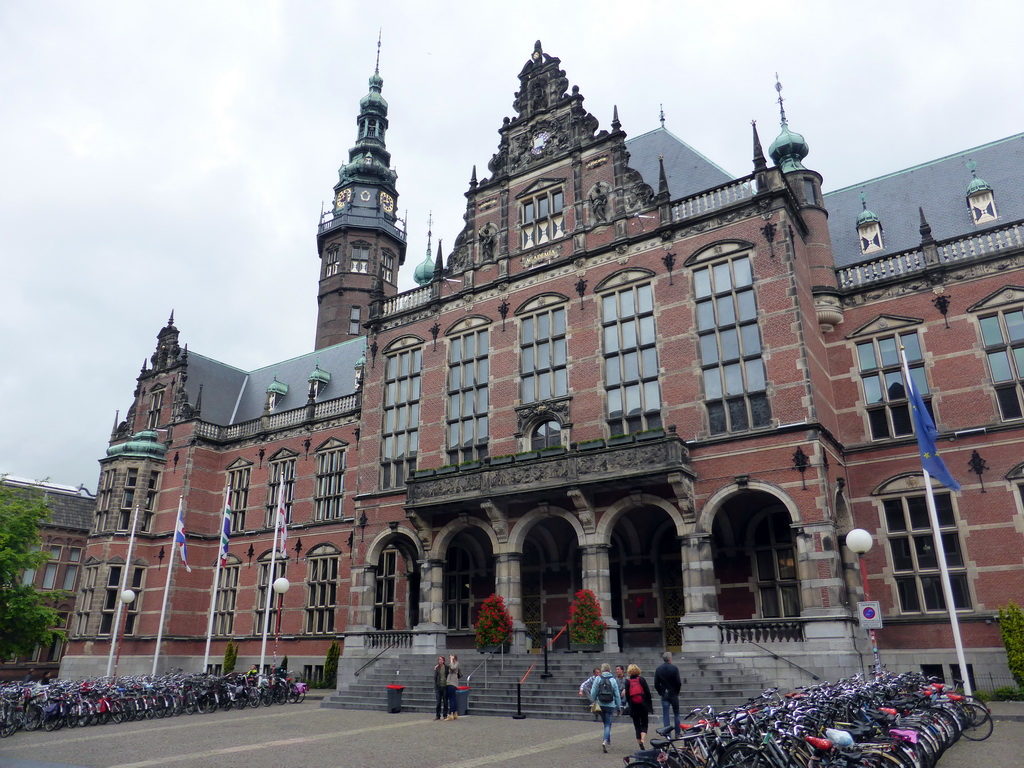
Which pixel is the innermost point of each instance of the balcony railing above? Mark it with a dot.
(909, 262)
(280, 420)
(761, 631)
(719, 197)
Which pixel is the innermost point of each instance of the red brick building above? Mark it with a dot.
(64, 537)
(632, 373)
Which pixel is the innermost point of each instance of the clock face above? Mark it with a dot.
(343, 198)
(387, 202)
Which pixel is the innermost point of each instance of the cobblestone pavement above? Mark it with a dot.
(305, 735)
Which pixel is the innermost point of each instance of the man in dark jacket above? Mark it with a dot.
(668, 684)
(441, 688)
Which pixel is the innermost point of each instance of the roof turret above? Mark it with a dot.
(790, 147)
(424, 273)
(142, 445)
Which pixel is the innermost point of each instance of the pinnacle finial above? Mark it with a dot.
(170, 320)
(615, 118)
(782, 108)
(661, 115)
(376, 67)
(760, 164)
(925, 229)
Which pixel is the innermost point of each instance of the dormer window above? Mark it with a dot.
(318, 380)
(541, 218)
(275, 393)
(983, 206)
(869, 228)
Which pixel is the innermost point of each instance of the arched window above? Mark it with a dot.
(547, 434)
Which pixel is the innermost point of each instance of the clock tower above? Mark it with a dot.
(360, 241)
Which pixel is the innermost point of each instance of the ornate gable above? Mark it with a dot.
(1005, 296)
(885, 323)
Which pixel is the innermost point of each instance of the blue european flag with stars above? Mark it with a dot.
(926, 434)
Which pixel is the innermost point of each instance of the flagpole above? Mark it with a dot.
(933, 517)
(124, 585)
(270, 590)
(221, 552)
(167, 588)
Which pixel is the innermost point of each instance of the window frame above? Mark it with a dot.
(468, 383)
(542, 217)
(630, 365)
(400, 413)
(543, 355)
(1011, 349)
(889, 410)
(328, 501)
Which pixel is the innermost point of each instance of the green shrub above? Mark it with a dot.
(1007, 693)
(1011, 627)
(331, 664)
(230, 657)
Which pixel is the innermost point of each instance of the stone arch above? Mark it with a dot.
(444, 536)
(525, 523)
(401, 537)
(713, 505)
(615, 511)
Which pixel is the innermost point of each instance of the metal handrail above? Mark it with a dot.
(783, 658)
(371, 661)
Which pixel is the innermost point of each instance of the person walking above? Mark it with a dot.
(585, 687)
(638, 698)
(668, 684)
(452, 680)
(620, 678)
(605, 692)
(441, 689)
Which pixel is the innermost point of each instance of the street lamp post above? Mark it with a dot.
(860, 542)
(281, 586)
(127, 597)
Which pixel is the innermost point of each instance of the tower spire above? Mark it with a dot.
(376, 67)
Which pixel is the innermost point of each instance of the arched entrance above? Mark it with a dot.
(645, 566)
(754, 554)
(551, 574)
(469, 578)
(396, 599)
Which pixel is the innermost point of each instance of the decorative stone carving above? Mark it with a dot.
(599, 202)
(528, 415)
(423, 531)
(498, 519)
(584, 508)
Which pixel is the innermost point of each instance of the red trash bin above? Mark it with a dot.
(395, 698)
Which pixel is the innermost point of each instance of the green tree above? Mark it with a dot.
(26, 618)
(331, 664)
(1011, 627)
(230, 657)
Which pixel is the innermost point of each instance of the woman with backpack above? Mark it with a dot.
(638, 696)
(605, 693)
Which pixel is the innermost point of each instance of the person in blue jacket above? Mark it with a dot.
(605, 692)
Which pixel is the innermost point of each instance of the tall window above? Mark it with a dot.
(775, 558)
(457, 594)
(103, 499)
(387, 266)
(542, 356)
(354, 320)
(401, 417)
(262, 584)
(131, 482)
(330, 484)
(1003, 334)
(885, 393)
(468, 396)
(152, 488)
(110, 600)
(156, 404)
(360, 259)
(282, 480)
(227, 598)
(71, 570)
(331, 261)
(914, 562)
(384, 597)
(631, 360)
(321, 592)
(84, 602)
(730, 347)
(238, 480)
(541, 218)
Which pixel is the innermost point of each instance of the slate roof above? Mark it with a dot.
(231, 395)
(69, 508)
(687, 170)
(940, 188)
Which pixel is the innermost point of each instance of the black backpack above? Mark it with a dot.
(605, 694)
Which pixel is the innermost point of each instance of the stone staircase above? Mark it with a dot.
(493, 681)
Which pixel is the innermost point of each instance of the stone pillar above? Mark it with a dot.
(360, 612)
(596, 578)
(820, 570)
(700, 623)
(508, 584)
(431, 632)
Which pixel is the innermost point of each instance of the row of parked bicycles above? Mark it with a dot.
(73, 704)
(896, 721)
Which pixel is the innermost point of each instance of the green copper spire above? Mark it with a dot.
(790, 147)
(424, 273)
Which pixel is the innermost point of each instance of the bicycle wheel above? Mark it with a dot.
(33, 717)
(742, 754)
(980, 725)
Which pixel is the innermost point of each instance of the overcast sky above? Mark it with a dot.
(175, 155)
